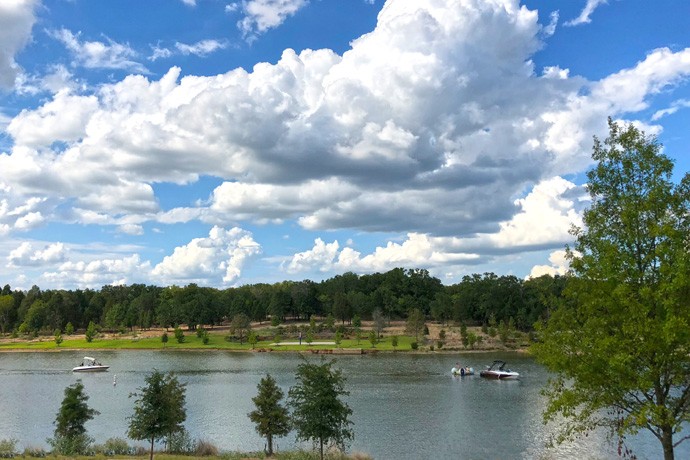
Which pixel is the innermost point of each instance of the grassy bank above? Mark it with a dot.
(215, 342)
(294, 455)
(439, 338)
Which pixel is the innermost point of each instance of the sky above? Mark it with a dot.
(233, 142)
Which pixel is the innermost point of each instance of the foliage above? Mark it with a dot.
(69, 329)
(58, 337)
(270, 417)
(373, 339)
(70, 433)
(116, 446)
(620, 340)
(415, 323)
(8, 448)
(318, 413)
(252, 339)
(159, 410)
(90, 332)
(394, 341)
(179, 334)
(379, 321)
(164, 338)
(240, 326)
(180, 442)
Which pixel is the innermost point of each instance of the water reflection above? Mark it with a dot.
(404, 406)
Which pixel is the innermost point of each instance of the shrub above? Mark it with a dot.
(414, 345)
(34, 452)
(78, 444)
(114, 446)
(181, 443)
(205, 449)
(200, 331)
(8, 448)
(439, 344)
(431, 347)
(179, 334)
(426, 330)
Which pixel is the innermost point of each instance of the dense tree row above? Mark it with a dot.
(317, 413)
(477, 299)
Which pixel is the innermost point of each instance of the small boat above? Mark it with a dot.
(498, 371)
(90, 365)
(462, 371)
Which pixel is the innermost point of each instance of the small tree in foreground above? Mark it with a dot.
(318, 413)
(159, 410)
(70, 436)
(620, 343)
(270, 417)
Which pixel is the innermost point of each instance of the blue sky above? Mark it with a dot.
(224, 142)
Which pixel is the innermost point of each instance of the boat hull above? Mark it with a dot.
(499, 375)
(90, 368)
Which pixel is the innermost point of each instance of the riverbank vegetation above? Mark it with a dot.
(316, 413)
(620, 343)
(471, 313)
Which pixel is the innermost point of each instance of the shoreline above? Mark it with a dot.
(320, 351)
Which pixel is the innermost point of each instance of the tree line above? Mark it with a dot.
(477, 299)
(314, 409)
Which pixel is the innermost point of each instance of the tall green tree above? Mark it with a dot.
(318, 412)
(70, 436)
(620, 344)
(159, 410)
(6, 312)
(270, 417)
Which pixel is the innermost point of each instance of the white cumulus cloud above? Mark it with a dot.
(17, 18)
(219, 257)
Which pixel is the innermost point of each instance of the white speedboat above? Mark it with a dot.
(90, 365)
(498, 371)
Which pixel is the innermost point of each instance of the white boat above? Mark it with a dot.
(462, 371)
(90, 365)
(498, 371)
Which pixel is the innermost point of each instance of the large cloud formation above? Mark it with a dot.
(16, 20)
(432, 125)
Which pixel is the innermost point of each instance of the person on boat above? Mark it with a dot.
(457, 369)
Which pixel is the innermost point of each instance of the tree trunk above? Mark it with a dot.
(667, 442)
(269, 438)
(151, 452)
(321, 444)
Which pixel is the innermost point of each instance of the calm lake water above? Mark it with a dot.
(404, 406)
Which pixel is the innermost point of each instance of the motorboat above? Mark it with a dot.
(462, 371)
(497, 370)
(90, 365)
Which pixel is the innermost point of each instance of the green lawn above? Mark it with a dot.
(216, 342)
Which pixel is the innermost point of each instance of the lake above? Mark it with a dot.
(404, 406)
